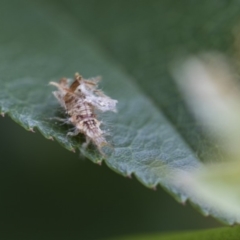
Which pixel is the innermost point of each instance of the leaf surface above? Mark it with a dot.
(152, 133)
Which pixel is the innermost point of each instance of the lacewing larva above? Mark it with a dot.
(81, 99)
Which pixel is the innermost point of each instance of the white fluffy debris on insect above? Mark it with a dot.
(97, 98)
(81, 99)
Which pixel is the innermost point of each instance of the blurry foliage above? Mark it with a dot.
(212, 234)
(131, 45)
(210, 87)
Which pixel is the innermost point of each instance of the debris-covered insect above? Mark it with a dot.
(81, 99)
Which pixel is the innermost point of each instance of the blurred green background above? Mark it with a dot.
(50, 193)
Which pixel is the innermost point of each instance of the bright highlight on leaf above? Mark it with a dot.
(211, 91)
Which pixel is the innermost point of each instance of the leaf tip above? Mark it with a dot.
(31, 130)
(129, 176)
(154, 188)
(99, 163)
(183, 203)
(73, 150)
(205, 212)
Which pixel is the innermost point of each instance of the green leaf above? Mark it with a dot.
(211, 234)
(131, 47)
